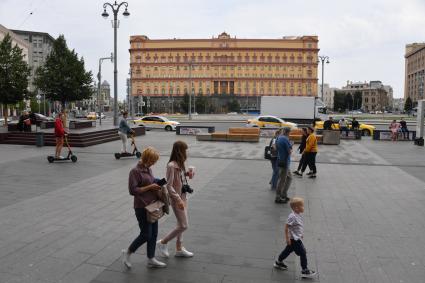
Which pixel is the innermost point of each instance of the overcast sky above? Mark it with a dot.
(365, 39)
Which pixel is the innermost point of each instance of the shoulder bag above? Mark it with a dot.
(268, 150)
(154, 211)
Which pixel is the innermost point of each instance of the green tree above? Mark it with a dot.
(63, 77)
(201, 103)
(408, 104)
(233, 105)
(348, 101)
(14, 72)
(357, 100)
(184, 105)
(339, 101)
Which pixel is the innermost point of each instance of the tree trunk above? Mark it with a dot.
(5, 115)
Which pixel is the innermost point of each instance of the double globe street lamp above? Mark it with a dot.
(115, 9)
(322, 59)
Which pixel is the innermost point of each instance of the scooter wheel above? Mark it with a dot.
(138, 154)
(74, 158)
(117, 156)
(50, 159)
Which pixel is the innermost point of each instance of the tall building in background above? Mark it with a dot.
(414, 71)
(16, 39)
(40, 46)
(222, 69)
(328, 95)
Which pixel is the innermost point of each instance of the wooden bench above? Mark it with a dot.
(234, 135)
(244, 134)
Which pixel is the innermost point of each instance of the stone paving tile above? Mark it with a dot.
(357, 226)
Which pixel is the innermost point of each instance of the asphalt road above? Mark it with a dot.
(224, 126)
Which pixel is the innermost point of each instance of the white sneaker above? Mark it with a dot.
(61, 157)
(126, 258)
(162, 249)
(154, 263)
(183, 253)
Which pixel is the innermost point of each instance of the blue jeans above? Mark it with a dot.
(148, 233)
(297, 247)
(275, 176)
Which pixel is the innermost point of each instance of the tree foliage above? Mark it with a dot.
(339, 101)
(233, 105)
(184, 105)
(14, 72)
(348, 100)
(201, 103)
(357, 100)
(63, 77)
(408, 104)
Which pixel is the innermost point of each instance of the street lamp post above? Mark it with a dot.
(322, 59)
(115, 9)
(99, 77)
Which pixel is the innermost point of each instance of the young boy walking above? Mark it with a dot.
(294, 232)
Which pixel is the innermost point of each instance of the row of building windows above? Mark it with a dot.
(224, 68)
(216, 75)
(416, 62)
(239, 84)
(277, 58)
(240, 92)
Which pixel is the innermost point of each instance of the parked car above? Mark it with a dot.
(91, 116)
(157, 122)
(367, 130)
(94, 116)
(269, 122)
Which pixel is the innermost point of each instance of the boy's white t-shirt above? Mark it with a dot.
(295, 226)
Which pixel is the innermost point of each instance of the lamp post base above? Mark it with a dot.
(419, 141)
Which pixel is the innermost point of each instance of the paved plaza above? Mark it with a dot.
(364, 217)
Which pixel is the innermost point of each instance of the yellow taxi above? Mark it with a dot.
(91, 116)
(367, 130)
(269, 122)
(157, 122)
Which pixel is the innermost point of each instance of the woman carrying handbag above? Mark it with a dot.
(177, 189)
(142, 185)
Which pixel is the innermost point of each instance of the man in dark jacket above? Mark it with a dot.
(404, 128)
(284, 150)
(355, 125)
(327, 125)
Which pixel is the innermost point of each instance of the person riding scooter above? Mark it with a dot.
(59, 134)
(123, 131)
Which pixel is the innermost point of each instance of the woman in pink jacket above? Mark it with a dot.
(176, 176)
(394, 127)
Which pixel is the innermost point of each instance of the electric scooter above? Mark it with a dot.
(135, 151)
(70, 155)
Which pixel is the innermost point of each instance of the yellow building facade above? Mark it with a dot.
(222, 68)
